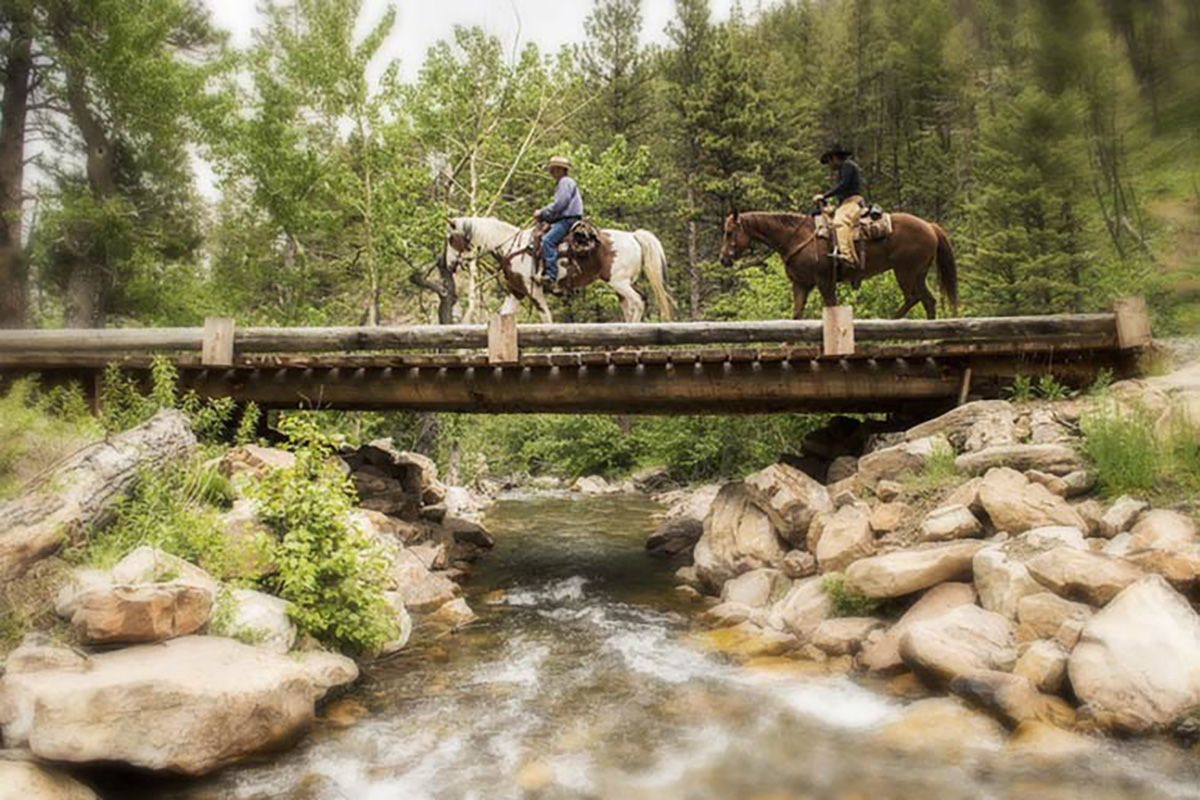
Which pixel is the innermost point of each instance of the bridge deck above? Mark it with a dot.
(762, 367)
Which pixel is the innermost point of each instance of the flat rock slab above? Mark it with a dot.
(190, 705)
(1055, 459)
(24, 780)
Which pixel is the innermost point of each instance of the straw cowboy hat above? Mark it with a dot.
(836, 150)
(559, 161)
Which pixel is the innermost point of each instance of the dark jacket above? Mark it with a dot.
(849, 182)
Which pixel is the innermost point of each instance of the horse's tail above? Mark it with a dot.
(654, 261)
(947, 268)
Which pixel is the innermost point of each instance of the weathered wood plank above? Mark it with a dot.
(837, 331)
(217, 347)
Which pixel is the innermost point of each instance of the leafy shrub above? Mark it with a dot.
(124, 405)
(331, 573)
(1048, 388)
(178, 511)
(847, 602)
(1021, 390)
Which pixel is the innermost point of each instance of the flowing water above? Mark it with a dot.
(582, 678)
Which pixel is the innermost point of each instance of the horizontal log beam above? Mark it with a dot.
(147, 341)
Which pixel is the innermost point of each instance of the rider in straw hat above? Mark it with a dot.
(849, 195)
(561, 214)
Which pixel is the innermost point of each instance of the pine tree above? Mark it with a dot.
(616, 73)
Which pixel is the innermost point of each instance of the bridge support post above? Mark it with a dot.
(502, 340)
(217, 349)
(1133, 323)
(838, 335)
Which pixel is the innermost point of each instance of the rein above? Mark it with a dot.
(800, 246)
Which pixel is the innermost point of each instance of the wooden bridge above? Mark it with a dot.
(835, 364)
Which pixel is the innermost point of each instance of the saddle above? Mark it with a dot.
(875, 224)
(585, 254)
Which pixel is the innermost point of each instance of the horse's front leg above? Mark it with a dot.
(539, 299)
(799, 299)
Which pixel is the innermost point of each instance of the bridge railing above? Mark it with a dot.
(219, 341)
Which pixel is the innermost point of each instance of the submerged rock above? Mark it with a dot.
(942, 726)
(190, 705)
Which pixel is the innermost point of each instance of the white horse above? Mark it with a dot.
(633, 253)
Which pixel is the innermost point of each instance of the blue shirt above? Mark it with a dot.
(567, 201)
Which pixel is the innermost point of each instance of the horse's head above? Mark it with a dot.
(734, 240)
(458, 241)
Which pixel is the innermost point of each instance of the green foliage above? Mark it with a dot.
(124, 405)
(847, 602)
(938, 472)
(179, 511)
(247, 429)
(331, 573)
(1048, 388)
(37, 427)
(1131, 451)
(223, 621)
(1021, 390)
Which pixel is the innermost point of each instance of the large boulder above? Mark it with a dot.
(957, 424)
(802, 609)
(261, 618)
(881, 655)
(419, 588)
(147, 612)
(907, 571)
(417, 472)
(960, 641)
(790, 498)
(1056, 459)
(38, 651)
(24, 780)
(1015, 504)
(949, 522)
(738, 537)
(1013, 699)
(1137, 665)
(190, 705)
(908, 457)
(1002, 581)
(1082, 575)
(757, 589)
(846, 536)
(1163, 530)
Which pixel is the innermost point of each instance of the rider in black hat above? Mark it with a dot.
(849, 195)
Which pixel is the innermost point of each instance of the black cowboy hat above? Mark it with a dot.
(836, 150)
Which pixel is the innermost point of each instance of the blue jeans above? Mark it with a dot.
(551, 239)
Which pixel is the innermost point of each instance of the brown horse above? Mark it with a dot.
(909, 252)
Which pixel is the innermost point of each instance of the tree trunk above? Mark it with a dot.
(18, 70)
(87, 280)
(693, 254)
(81, 492)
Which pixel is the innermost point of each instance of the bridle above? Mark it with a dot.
(790, 254)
